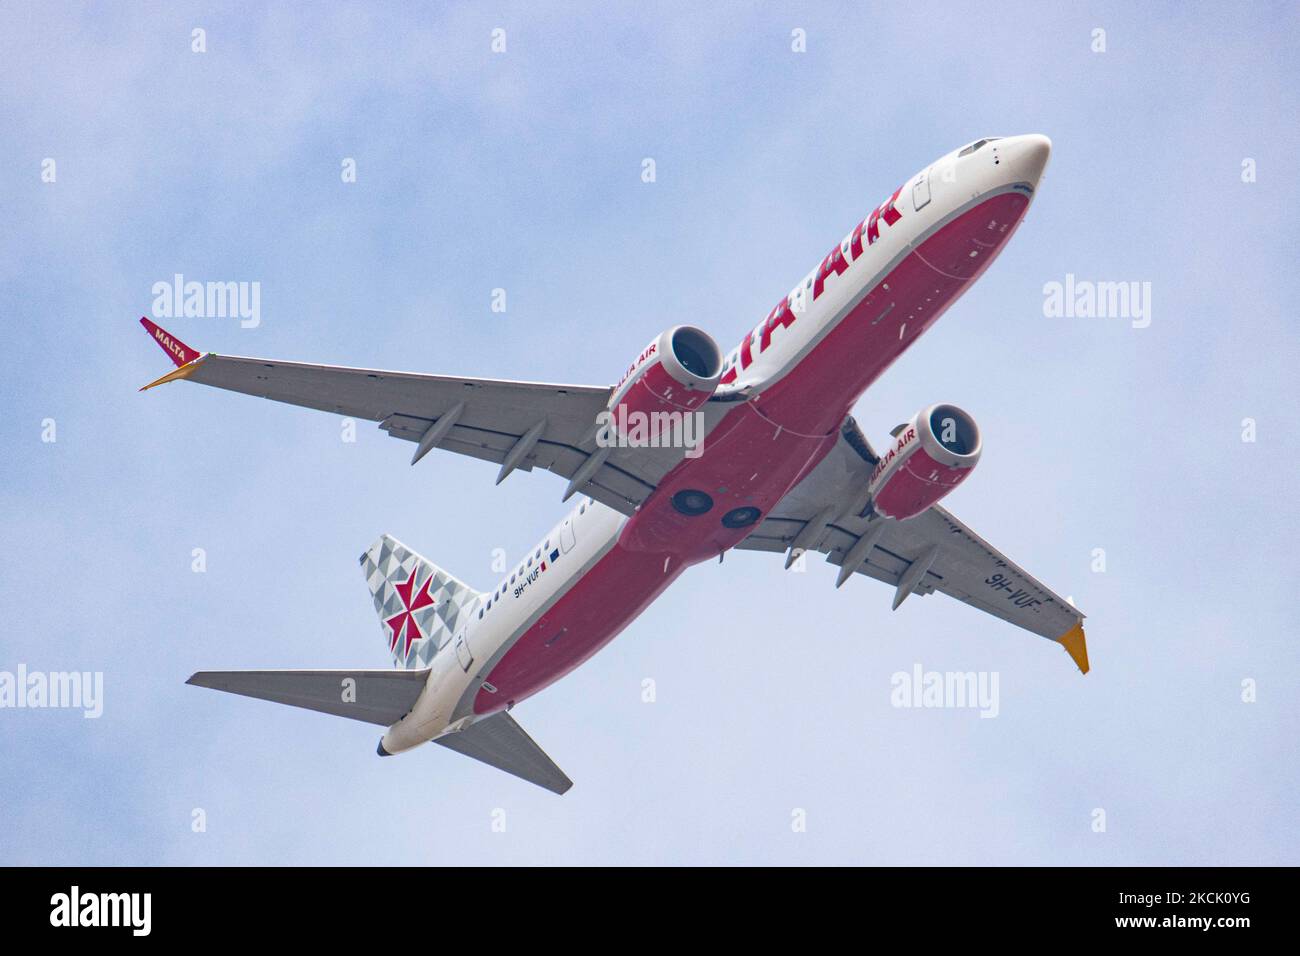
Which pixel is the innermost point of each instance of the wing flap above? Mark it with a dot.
(500, 742)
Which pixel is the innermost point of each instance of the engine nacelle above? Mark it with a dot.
(929, 457)
(676, 373)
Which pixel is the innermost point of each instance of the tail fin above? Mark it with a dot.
(420, 605)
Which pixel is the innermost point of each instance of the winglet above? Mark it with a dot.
(177, 351)
(1075, 645)
(185, 371)
(185, 358)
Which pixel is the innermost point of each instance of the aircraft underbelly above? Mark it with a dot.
(595, 610)
(755, 455)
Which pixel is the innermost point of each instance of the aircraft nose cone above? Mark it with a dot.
(1029, 155)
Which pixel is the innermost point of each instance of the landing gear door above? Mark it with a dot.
(921, 191)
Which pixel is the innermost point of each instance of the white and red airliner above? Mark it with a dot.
(776, 464)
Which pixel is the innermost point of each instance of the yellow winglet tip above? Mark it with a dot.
(1076, 646)
(185, 371)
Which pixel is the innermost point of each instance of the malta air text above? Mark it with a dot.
(900, 445)
(865, 234)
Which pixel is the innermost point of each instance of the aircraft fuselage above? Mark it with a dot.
(786, 389)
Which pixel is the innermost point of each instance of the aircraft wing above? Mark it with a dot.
(934, 551)
(523, 425)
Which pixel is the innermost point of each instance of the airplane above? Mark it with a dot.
(776, 463)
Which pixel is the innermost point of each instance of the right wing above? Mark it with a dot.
(522, 425)
(829, 511)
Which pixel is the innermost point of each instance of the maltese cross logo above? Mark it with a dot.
(405, 621)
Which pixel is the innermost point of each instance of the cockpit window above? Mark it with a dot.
(976, 145)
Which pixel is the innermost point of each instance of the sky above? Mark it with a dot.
(1140, 470)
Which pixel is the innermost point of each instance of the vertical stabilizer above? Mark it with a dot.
(420, 606)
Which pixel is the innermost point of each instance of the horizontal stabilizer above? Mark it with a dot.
(500, 742)
(378, 697)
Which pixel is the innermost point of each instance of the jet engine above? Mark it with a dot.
(677, 372)
(929, 456)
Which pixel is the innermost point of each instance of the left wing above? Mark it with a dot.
(828, 512)
(518, 425)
